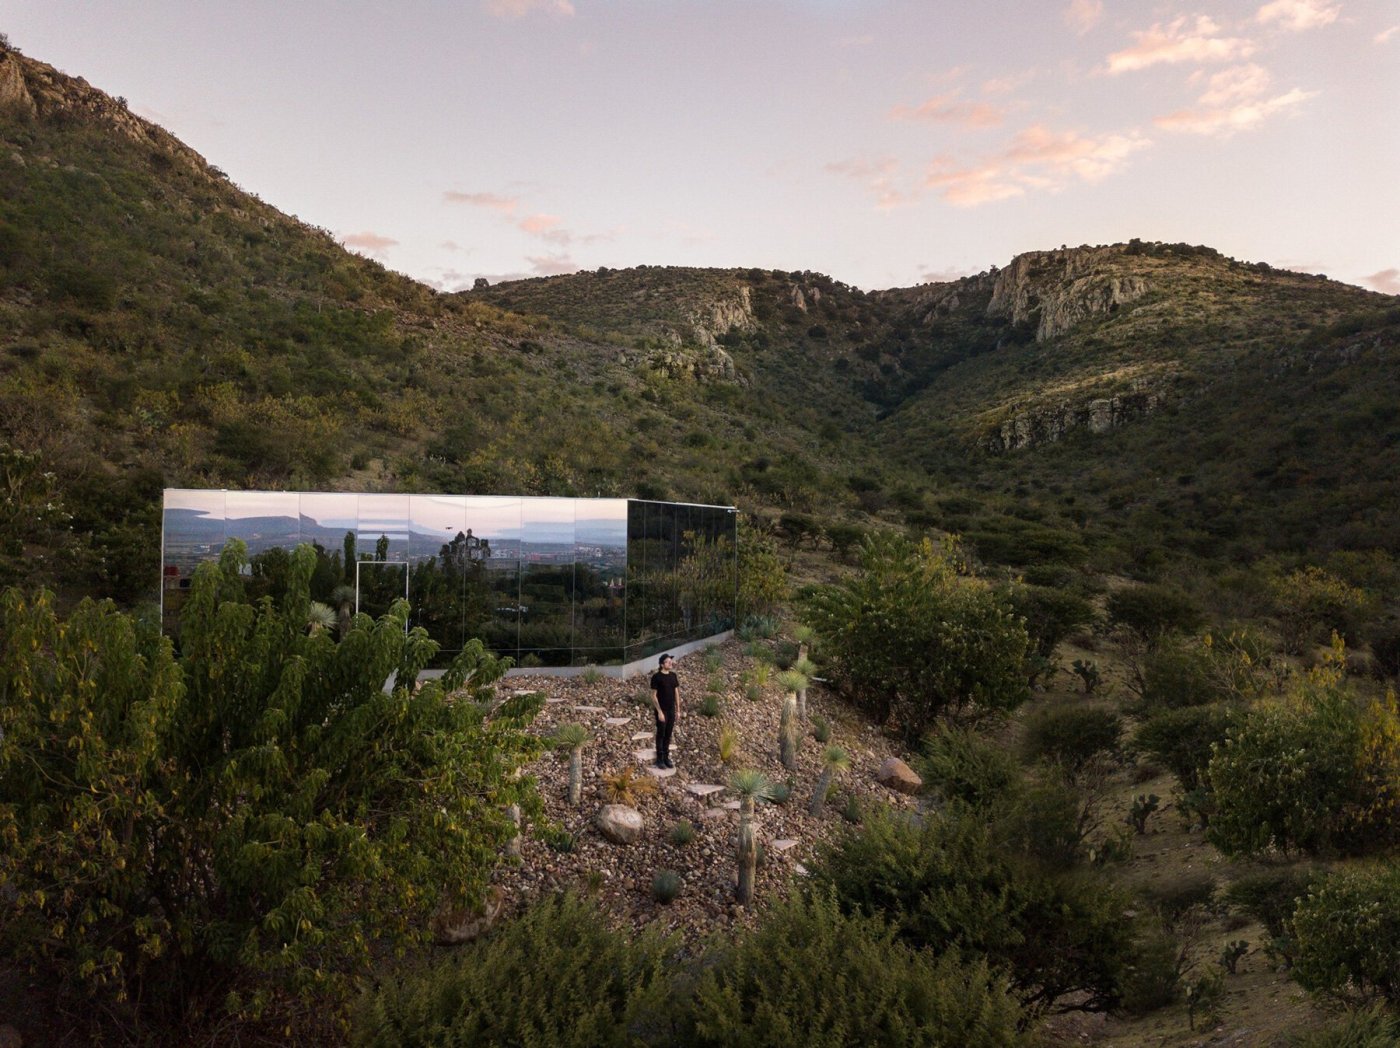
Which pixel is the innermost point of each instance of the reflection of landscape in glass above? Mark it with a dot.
(549, 581)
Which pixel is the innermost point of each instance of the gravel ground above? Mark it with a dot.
(620, 876)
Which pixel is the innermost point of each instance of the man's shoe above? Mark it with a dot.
(667, 763)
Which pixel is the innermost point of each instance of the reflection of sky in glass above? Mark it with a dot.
(548, 521)
(210, 502)
(331, 509)
(494, 517)
(243, 504)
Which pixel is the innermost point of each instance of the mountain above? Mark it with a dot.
(160, 326)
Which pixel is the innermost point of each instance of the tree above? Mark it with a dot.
(246, 821)
(1347, 935)
(912, 636)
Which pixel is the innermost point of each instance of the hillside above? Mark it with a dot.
(162, 327)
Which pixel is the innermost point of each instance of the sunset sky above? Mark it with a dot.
(884, 143)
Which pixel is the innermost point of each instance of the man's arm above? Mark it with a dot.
(656, 704)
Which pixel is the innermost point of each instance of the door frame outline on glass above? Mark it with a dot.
(381, 563)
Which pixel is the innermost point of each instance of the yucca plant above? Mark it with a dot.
(834, 761)
(789, 735)
(627, 786)
(319, 617)
(821, 729)
(573, 737)
(808, 669)
(728, 743)
(751, 786)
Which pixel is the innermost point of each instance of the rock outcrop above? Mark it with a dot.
(1046, 424)
(899, 777)
(1058, 289)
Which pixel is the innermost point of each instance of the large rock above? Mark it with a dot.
(451, 927)
(619, 823)
(899, 777)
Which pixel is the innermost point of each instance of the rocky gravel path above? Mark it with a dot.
(618, 713)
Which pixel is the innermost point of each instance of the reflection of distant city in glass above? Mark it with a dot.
(548, 581)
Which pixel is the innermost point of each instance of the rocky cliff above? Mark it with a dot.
(1059, 289)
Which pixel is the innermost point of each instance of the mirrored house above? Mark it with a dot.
(547, 581)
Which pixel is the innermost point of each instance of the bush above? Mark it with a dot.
(950, 884)
(666, 886)
(963, 766)
(557, 975)
(1072, 735)
(252, 815)
(1310, 603)
(1182, 739)
(1051, 615)
(682, 832)
(1153, 976)
(1363, 1028)
(811, 975)
(1347, 933)
(911, 637)
(1270, 897)
(1153, 611)
(1222, 668)
(1314, 772)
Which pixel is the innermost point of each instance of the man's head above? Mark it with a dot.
(666, 663)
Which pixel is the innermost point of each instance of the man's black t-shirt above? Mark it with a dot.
(665, 685)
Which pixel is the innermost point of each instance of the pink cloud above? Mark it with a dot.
(949, 109)
(1298, 15)
(1235, 84)
(1385, 35)
(1037, 159)
(1224, 121)
(878, 174)
(551, 265)
(1387, 281)
(371, 243)
(496, 202)
(1083, 15)
(1195, 40)
(521, 8)
(1005, 85)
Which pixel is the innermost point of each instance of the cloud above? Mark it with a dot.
(1183, 40)
(878, 174)
(546, 227)
(1037, 159)
(949, 109)
(368, 242)
(1385, 35)
(1005, 85)
(1232, 102)
(941, 276)
(1387, 281)
(450, 245)
(1298, 15)
(1083, 15)
(551, 265)
(521, 8)
(496, 202)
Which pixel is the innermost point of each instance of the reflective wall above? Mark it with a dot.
(548, 581)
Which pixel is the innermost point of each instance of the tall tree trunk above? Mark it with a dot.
(748, 852)
(576, 776)
(819, 795)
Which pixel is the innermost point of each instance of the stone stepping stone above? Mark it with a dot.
(710, 814)
(782, 845)
(639, 736)
(616, 720)
(730, 805)
(799, 869)
(552, 700)
(703, 789)
(650, 755)
(590, 709)
(660, 773)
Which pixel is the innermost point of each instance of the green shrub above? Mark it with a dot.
(1152, 978)
(1270, 897)
(1072, 735)
(950, 883)
(964, 766)
(1310, 603)
(1182, 739)
(591, 674)
(1173, 898)
(910, 637)
(556, 975)
(682, 832)
(821, 729)
(666, 886)
(1044, 820)
(263, 809)
(1313, 772)
(1198, 672)
(709, 705)
(779, 792)
(1152, 611)
(810, 975)
(1050, 614)
(1347, 933)
(1362, 1028)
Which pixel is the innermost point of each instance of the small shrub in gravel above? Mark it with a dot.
(591, 675)
(780, 792)
(821, 729)
(665, 886)
(683, 832)
(709, 705)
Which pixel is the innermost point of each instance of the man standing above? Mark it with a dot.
(666, 699)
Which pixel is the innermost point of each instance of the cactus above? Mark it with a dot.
(751, 786)
(834, 761)
(573, 737)
(1230, 956)
(1143, 806)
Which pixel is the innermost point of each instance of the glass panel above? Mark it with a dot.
(382, 533)
(269, 523)
(328, 521)
(379, 584)
(192, 532)
(441, 569)
(547, 581)
(493, 542)
(600, 570)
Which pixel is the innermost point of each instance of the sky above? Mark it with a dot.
(884, 143)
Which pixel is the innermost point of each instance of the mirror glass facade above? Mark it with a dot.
(547, 581)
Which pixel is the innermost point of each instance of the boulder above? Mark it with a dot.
(452, 927)
(619, 823)
(898, 776)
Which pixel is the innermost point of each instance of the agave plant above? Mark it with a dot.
(751, 786)
(573, 737)
(834, 761)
